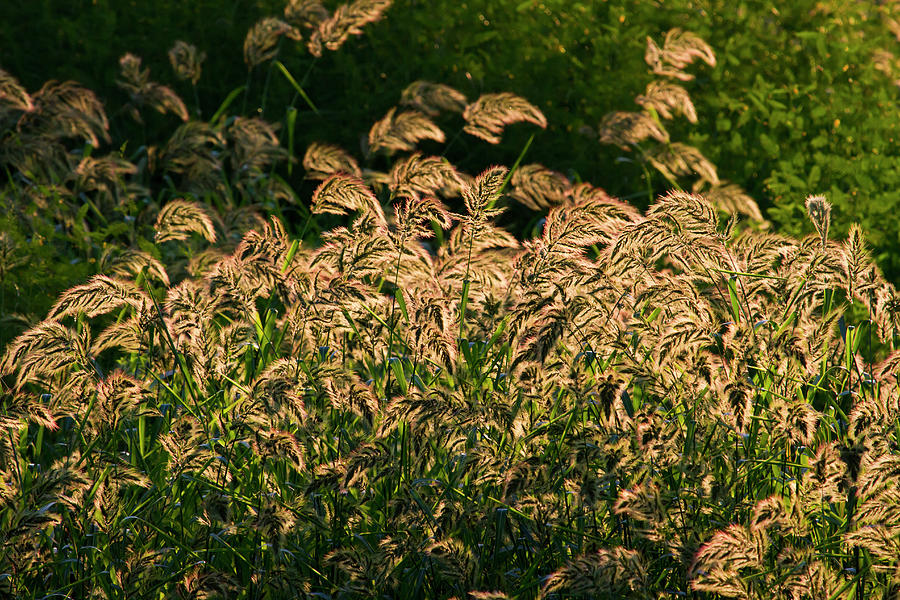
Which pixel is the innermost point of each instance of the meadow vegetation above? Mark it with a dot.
(240, 362)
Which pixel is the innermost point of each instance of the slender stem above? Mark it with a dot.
(387, 385)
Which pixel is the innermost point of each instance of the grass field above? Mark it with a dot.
(241, 364)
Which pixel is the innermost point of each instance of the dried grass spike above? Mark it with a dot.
(12, 94)
(129, 262)
(415, 214)
(676, 160)
(668, 99)
(487, 116)
(819, 210)
(255, 146)
(402, 131)
(186, 61)
(341, 194)
(347, 20)
(261, 42)
(428, 175)
(730, 197)
(105, 173)
(100, 295)
(626, 129)
(680, 49)
(67, 110)
(484, 190)
(136, 82)
(324, 160)
(305, 13)
(538, 187)
(179, 218)
(45, 349)
(432, 98)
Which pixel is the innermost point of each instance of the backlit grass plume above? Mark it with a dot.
(432, 98)
(402, 131)
(668, 99)
(261, 43)
(12, 95)
(629, 128)
(186, 61)
(179, 218)
(819, 211)
(346, 20)
(136, 82)
(491, 113)
(323, 160)
(680, 49)
(305, 13)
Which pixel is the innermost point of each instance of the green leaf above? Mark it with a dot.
(296, 86)
(462, 306)
(291, 125)
(227, 102)
(735, 303)
(399, 296)
(292, 251)
(399, 375)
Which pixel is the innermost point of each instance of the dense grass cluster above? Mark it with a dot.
(282, 371)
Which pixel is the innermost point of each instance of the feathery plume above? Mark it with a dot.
(618, 572)
(432, 98)
(730, 197)
(676, 160)
(819, 210)
(67, 110)
(45, 349)
(305, 13)
(402, 131)
(415, 214)
(478, 197)
(145, 92)
(324, 160)
(347, 20)
(680, 48)
(100, 295)
(538, 187)
(255, 146)
(626, 129)
(481, 193)
(427, 175)
(668, 99)
(128, 262)
(194, 151)
(261, 42)
(341, 194)
(487, 116)
(186, 61)
(179, 218)
(103, 174)
(12, 94)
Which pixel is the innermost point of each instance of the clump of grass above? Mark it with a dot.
(418, 403)
(635, 404)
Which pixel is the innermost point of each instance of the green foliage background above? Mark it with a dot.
(795, 105)
(778, 378)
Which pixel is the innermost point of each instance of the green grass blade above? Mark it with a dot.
(226, 103)
(296, 86)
